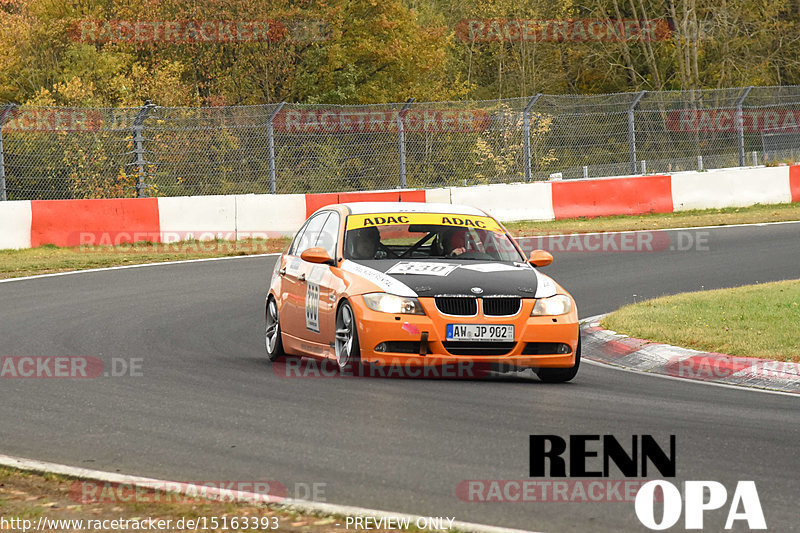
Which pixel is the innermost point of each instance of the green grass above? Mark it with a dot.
(681, 219)
(47, 259)
(751, 321)
(29, 495)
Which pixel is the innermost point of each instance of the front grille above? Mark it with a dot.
(478, 348)
(451, 305)
(501, 306)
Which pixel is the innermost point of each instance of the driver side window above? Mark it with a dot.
(328, 235)
(307, 236)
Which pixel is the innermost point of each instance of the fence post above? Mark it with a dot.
(401, 140)
(3, 197)
(7, 109)
(271, 148)
(632, 130)
(138, 146)
(740, 124)
(526, 132)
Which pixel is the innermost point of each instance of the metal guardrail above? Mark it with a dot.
(293, 148)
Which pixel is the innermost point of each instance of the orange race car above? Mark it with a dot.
(418, 285)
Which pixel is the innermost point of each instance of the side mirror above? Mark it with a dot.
(316, 255)
(540, 258)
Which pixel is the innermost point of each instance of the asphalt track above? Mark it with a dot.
(209, 407)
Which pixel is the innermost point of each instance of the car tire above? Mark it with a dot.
(348, 352)
(561, 375)
(272, 335)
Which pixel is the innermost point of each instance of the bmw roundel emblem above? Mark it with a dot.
(477, 290)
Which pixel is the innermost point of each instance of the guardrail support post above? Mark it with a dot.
(526, 135)
(401, 140)
(138, 147)
(739, 121)
(6, 111)
(632, 129)
(3, 197)
(271, 147)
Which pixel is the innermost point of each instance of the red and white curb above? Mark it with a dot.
(192, 490)
(606, 346)
(95, 222)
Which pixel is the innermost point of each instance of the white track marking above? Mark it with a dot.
(303, 506)
(687, 380)
(121, 267)
(723, 226)
(139, 265)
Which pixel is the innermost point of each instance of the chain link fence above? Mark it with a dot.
(49, 153)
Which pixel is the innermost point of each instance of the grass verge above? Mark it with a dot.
(681, 219)
(751, 321)
(29, 496)
(48, 259)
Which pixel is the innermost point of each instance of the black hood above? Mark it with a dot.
(493, 277)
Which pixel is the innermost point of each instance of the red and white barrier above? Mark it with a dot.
(612, 196)
(107, 221)
(15, 224)
(267, 215)
(737, 187)
(315, 201)
(204, 218)
(25, 224)
(507, 202)
(794, 182)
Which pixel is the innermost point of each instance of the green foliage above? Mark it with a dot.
(92, 170)
(360, 52)
(368, 51)
(499, 153)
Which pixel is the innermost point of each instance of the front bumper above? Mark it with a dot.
(409, 332)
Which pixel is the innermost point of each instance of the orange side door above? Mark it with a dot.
(293, 295)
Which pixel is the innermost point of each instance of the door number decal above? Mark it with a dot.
(312, 307)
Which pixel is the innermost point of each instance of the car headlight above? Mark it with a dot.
(560, 304)
(389, 303)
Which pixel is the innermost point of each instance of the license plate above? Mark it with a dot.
(480, 332)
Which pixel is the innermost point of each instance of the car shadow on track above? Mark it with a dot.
(310, 368)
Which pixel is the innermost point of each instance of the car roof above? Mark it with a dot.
(364, 208)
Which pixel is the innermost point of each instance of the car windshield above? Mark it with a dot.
(427, 235)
